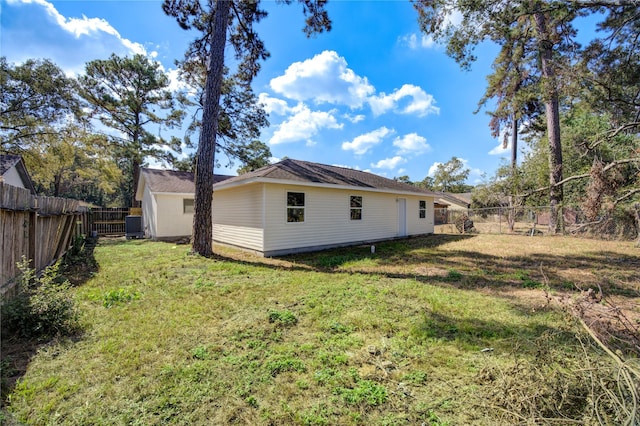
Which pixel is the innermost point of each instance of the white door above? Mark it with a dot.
(402, 217)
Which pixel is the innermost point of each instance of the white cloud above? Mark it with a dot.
(415, 41)
(411, 143)
(70, 42)
(452, 18)
(433, 168)
(354, 118)
(273, 105)
(84, 26)
(325, 78)
(500, 149)
(363, 143)
(176, 83)
(346, 167)
(389, 163)
(303, 124)
(421, 103)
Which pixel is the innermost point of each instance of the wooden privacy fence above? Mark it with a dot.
(41, 229)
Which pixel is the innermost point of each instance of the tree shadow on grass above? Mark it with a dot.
(79, 264)
(421, 259)
(480, 333)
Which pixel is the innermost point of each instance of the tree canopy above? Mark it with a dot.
(35, 98)
(128, 95)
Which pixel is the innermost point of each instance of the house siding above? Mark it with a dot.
(149, 209)
(12, 177)
(238, 217)
(327, 219)
(172, 221)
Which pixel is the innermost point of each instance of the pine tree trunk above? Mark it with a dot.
(636, 208)
(135, 164)
(202, 219)
(550, 97)
(514, 145)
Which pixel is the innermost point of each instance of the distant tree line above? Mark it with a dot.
(446, 177)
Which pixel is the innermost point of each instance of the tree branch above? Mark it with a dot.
(627, 195)
(582, 176)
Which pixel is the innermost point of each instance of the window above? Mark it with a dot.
(295, 206)
(356, 207)
(187, 205)
(422, 209)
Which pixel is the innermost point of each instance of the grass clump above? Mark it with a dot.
(364, 392)
(283, 318)
(119, 296)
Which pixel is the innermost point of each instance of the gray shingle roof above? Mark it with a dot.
(308, 172)
(173, 181)
(7, 162)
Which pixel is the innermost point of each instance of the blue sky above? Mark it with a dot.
(373, 94)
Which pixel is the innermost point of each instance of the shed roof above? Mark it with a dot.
(306, 172)
(171, 181)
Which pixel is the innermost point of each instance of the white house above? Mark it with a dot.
(296, 206)
(13, 172)
(167, 202)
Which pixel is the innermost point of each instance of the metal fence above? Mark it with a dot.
(533, 221)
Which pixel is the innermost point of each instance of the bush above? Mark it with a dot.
(42, 307)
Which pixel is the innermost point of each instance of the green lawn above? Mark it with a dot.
(433, 330)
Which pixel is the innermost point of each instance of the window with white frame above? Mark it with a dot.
(295, 206)
(187, 205)
(355, 207)
(422, 209)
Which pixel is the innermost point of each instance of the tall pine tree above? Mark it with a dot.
(219, 21)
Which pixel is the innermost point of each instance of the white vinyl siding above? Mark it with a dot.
(238, 217)
(171, 218)
(328, 220)
(149, 218)
(416, 225)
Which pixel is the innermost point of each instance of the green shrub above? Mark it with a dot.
(42, 307)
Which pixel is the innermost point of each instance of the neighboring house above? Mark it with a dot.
(13, 172)
(167, 202)
(447, 201)
(296, 206)
(454, 201)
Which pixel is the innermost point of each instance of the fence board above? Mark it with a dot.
(39, 228)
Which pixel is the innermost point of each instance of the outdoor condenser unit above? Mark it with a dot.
(133, 227)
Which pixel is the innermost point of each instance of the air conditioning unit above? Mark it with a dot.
(133, 227)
